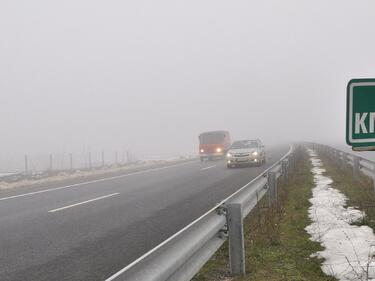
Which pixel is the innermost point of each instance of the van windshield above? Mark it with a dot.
(211, 138)
(244, 144)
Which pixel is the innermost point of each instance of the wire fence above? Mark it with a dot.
(32, 163)
(39, 162)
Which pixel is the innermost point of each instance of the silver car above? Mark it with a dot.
(246, 152)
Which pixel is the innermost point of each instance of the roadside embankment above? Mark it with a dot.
(348, 247)
(52, 177)
(359, 192)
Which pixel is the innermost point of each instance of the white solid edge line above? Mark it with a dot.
(111, 278)
(208, 167)
(90, 182)
(84, 202)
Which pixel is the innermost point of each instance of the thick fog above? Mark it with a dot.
(149, 76)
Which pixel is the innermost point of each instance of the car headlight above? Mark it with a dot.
(229, 154)
(202, 150)
(219, 150)
(255, 153)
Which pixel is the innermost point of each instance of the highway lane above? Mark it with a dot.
(89, 231)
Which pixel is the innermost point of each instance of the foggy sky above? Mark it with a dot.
(149, 76)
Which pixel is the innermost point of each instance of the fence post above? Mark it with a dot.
(236, 239)
(90, 163)
(26, 164)
(123, 158)
(272, 184)
(355, 167)
(71, 161)
(50, 162)
(128, 156)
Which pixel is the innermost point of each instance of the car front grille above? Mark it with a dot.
(241, 154)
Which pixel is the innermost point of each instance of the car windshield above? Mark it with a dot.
(211, 138)
(244, 144)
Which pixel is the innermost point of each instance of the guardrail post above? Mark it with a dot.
(356, 167)
(337, 156)
(236, 239)
(344, 157)
(272, 184)
(284, 171)
(291, 162)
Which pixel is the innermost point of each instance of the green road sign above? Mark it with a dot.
(360, 114)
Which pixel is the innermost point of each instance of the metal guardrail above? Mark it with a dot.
(182, 255)
(345, 159)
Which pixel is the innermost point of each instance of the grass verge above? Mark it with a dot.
(360, 193)
(277, 245)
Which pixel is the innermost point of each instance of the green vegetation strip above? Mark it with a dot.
(277, 245)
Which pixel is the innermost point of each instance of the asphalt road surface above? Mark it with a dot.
(91, 230)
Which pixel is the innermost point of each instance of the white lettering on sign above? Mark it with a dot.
(372, 121)
(360, 123)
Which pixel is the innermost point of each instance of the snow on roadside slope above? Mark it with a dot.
(6, 174)
(78, 174)
(348, 249)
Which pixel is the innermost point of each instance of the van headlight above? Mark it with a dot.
(229, 154)
(219, 150)
(202, 150)
(255, 153)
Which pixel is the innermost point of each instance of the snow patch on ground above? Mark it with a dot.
(6, 174)
(348, 249)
